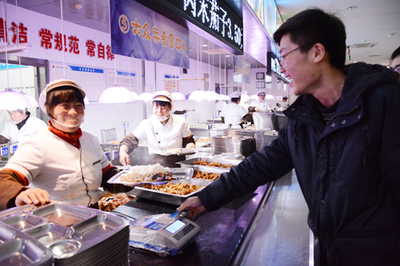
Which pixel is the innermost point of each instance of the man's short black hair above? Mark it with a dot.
(313, 26)
(235, 99)
(395, 53)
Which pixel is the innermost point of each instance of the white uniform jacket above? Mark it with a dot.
(160, 137)
(67, 173)
(261, 105)
(32, 126)
(233, 114)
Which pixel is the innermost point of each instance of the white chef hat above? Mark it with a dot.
(164, 96)
(234, 94)
(64, 83)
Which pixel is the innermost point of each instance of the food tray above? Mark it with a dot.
(64, 230)
(178, 151)
(64, 214)
(160, 196)
(182, 174)
(203, 168)
(16, 248)
(48, 233)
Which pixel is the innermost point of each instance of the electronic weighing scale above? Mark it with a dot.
(165, 234)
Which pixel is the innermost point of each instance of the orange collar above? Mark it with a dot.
(71, 139)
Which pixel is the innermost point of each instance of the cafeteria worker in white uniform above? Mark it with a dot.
(61, 162)
(233, 113)
(162, 131)
(22, 127)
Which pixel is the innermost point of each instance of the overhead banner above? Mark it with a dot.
(213, 16)
(139, 32)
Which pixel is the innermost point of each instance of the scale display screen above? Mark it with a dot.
(174, 227)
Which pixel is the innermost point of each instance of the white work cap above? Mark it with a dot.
(234, 94)
(64, 83)
(164, 96)
(261, 93)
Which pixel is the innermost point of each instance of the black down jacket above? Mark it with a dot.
(348, 169)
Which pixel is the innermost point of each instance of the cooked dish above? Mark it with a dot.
(142, 173)
(207, 176)
(214, 164)
(178, 189)
(112, 201)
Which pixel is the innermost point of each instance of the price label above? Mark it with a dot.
(4, 151)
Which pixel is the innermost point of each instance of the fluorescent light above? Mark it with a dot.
(14, 48)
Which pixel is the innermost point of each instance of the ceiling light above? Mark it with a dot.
(205, 45)
(116, 95)
(391, 34)
(351, 7)
(78, 5)
(145, 96)
(12, 100)
(177, 96)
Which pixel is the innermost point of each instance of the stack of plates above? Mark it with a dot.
(73, 234)
(233, 144)
(263, 138)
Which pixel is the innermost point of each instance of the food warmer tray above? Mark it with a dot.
(181, 174)
(211, 169)
(160, 196)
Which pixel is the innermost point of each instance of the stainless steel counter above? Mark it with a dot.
(282, 236)
(267, 227)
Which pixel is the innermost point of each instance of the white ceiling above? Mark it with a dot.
(370, 23)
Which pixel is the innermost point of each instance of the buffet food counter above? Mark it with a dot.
(222, 231)
(265, 227)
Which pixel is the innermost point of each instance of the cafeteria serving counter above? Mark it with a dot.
(267, 227)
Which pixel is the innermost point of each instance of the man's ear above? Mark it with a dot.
(319, 52)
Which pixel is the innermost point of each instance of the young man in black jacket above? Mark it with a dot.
(342, 138)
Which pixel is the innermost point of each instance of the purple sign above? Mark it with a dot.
(139, 32)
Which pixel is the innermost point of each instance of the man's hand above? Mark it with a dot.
(35, 196)
(194, 205)
(123, 156)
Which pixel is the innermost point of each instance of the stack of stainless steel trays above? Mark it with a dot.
(75, 235)
(233, 144)
(17, 248)
(239, 132)
(263, 120)
(263, 138)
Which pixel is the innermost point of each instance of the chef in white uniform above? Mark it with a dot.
(260, 104)
(22, 127)
(62, 162)
(162, 131)
(233, 113)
